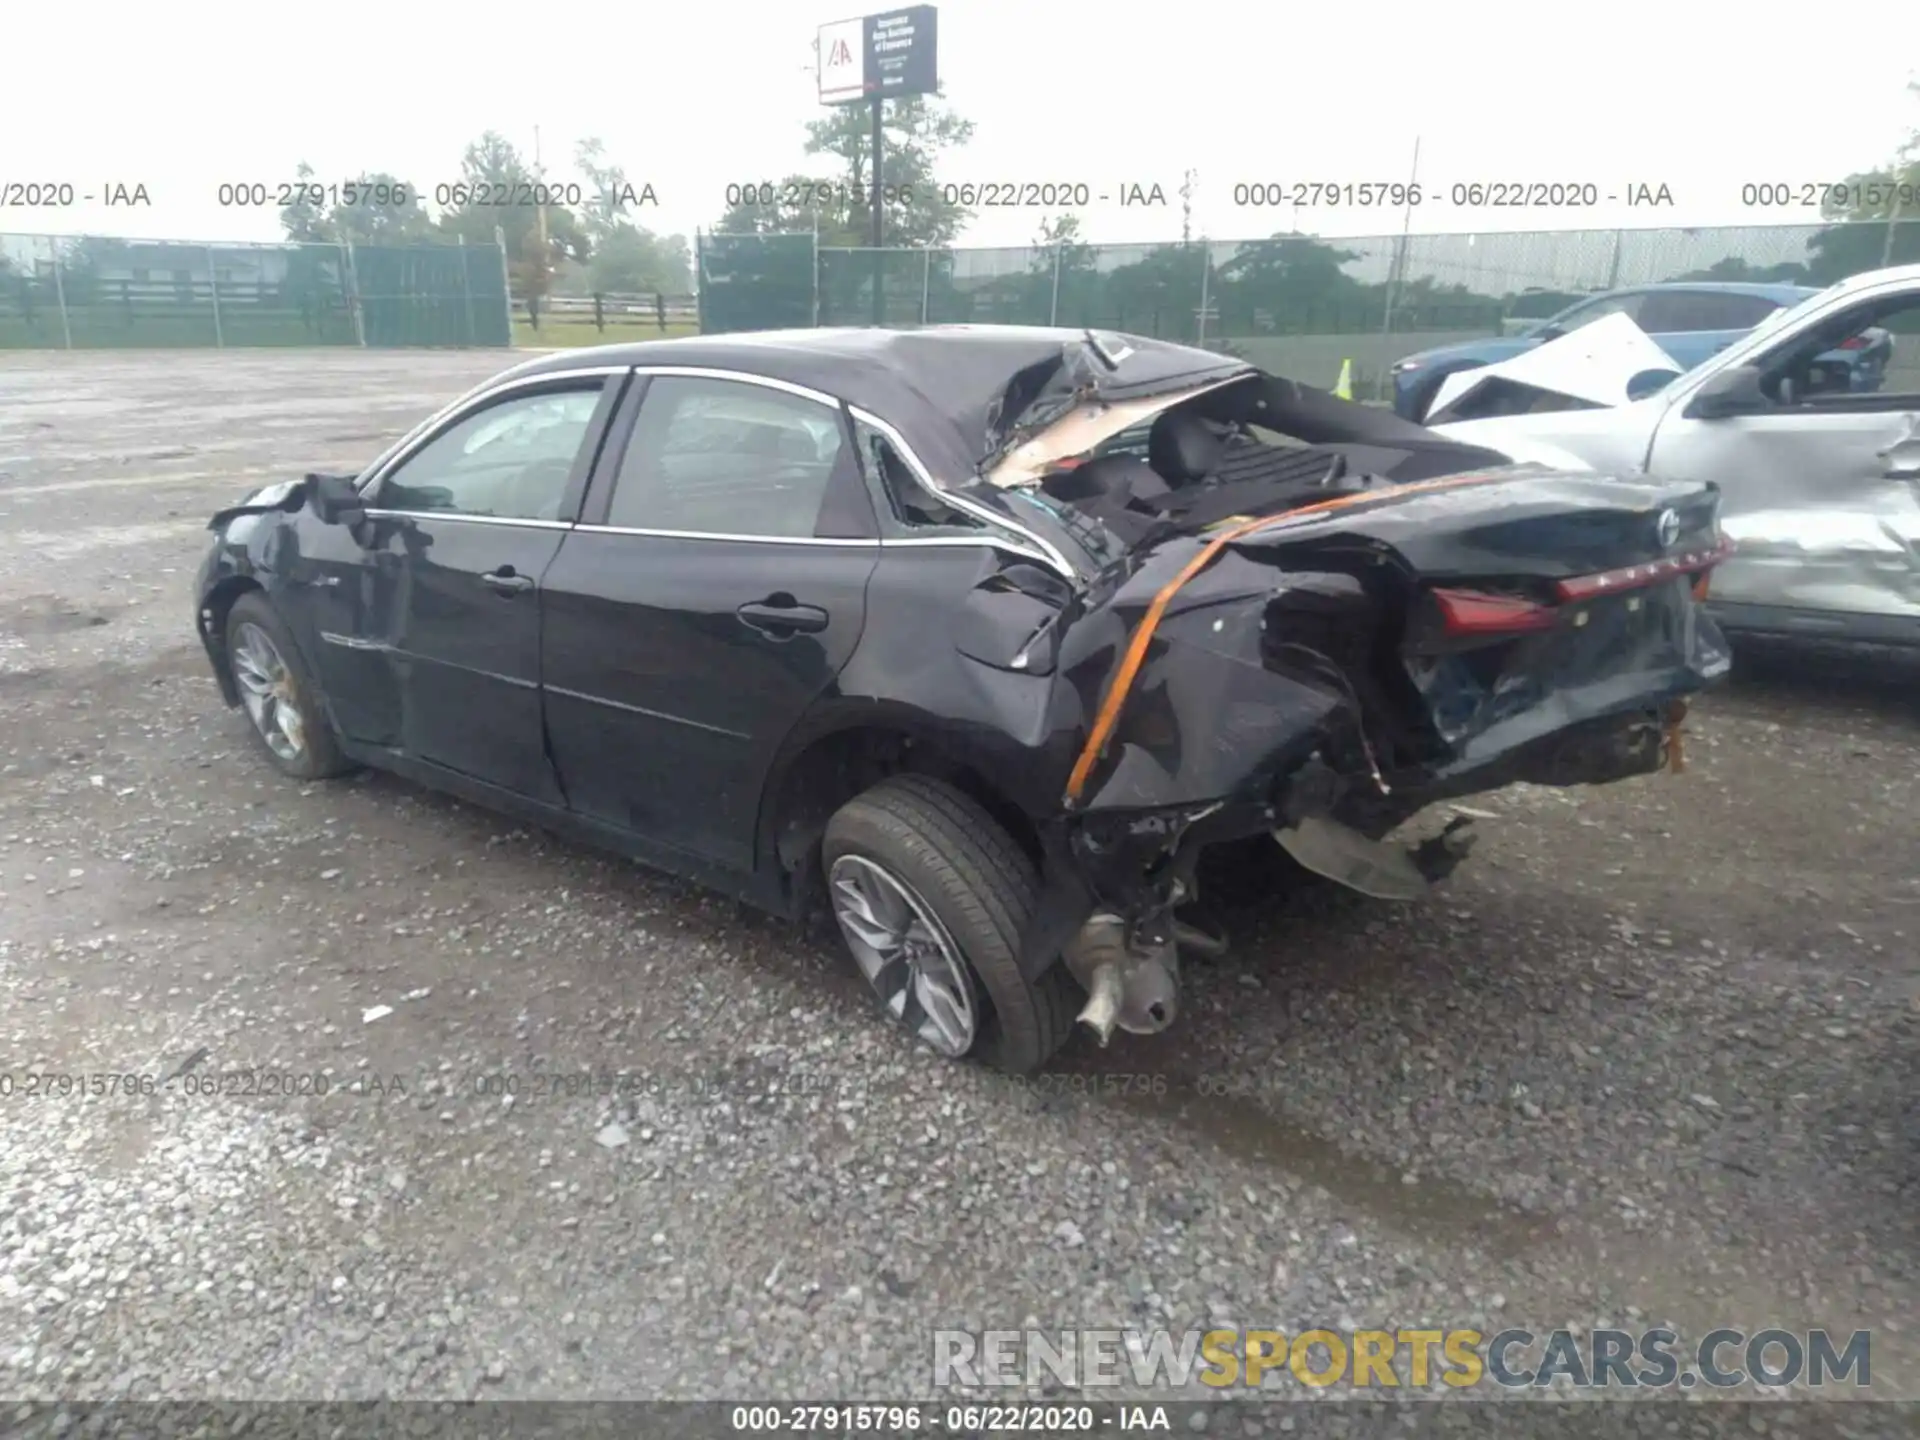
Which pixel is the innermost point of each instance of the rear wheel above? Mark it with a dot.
(289, 721)
(932, 897)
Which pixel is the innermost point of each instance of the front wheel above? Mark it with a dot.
(932, 897)
(289, 721)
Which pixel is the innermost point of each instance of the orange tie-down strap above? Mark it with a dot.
(1122, 683)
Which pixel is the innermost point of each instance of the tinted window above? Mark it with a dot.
(511, 459)
(725, 457)
(1570, 320)
(906, 506)
(1679, 310)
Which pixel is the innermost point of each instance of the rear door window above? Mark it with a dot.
(1677, 311)
(727, 457)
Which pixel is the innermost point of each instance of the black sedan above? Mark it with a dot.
(980, 635)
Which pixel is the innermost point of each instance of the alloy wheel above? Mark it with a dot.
(266, 689)
(905, 953)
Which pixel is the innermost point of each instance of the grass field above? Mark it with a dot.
(570, 334)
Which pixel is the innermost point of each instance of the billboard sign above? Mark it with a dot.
(879, 56)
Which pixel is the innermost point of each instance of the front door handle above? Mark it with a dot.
(506, 581)
(780, 616)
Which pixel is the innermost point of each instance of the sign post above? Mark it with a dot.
(872, 58)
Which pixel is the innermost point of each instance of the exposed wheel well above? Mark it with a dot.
(213, 626)
(837, 767)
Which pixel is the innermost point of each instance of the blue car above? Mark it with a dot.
(1689, 320)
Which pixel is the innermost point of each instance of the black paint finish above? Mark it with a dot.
(703, 702)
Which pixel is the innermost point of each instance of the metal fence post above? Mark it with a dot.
(351, 283)
(1613, 266)
(1893, 219)
(506, 280)
(1206, 274)
(926, 281)
(816, 269)
(213, 285)
(1053, 306)
(466, 289)
(60, 292)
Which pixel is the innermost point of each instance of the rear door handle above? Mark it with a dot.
(506, 581)
(780, 616)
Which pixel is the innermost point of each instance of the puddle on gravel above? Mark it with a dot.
(1431, 1210)
(50, 615)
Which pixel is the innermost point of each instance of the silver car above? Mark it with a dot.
(1820, 480)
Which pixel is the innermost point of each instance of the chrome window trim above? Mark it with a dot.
(745, 377)
(417, 438)
(942, 542)
(1009, 537)
(718, 535)
(466, 519)
(1042, 550)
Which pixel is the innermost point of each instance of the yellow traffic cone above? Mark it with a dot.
(1344, 386)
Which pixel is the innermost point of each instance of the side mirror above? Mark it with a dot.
(1731, 392)
(335, 499)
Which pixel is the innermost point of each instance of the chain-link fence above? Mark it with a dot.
(1294, 303)
(88, 291)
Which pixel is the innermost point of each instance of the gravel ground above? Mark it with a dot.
(1649, 1058)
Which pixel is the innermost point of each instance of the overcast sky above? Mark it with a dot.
(1698, 97)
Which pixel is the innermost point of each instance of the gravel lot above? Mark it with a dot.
(1650, 1058)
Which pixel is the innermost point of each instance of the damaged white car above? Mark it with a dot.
(1819, 478)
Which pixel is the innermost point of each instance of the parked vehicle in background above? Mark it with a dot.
(1691, 321)
(1819, 476)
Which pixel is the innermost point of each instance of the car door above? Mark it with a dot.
(1821, 489)
(715, 587)
(1693, 325)
(435, 636)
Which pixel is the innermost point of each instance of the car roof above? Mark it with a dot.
(1766, 290)
(1004, 348)
(951, 377)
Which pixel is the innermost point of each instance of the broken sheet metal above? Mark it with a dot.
(1610, 362)
(1085, 427)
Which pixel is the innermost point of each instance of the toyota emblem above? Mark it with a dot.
(1667, 528)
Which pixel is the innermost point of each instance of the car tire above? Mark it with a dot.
(971, 892)
(261, 653)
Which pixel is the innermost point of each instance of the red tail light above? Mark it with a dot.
(1635, 577)
(1480, 612)
(1474, 612)
(1858, 342)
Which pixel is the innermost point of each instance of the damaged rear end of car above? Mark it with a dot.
(1313, 620)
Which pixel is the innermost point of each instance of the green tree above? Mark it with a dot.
(1874, 215)
(384, 211)
(1063, 284)
(627, 258)
(374, 208)
(1737, 267)
(918, 132)
(1291, 282)
(796, 205)
(1158, 294)
(492, 170)
(303, 220)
